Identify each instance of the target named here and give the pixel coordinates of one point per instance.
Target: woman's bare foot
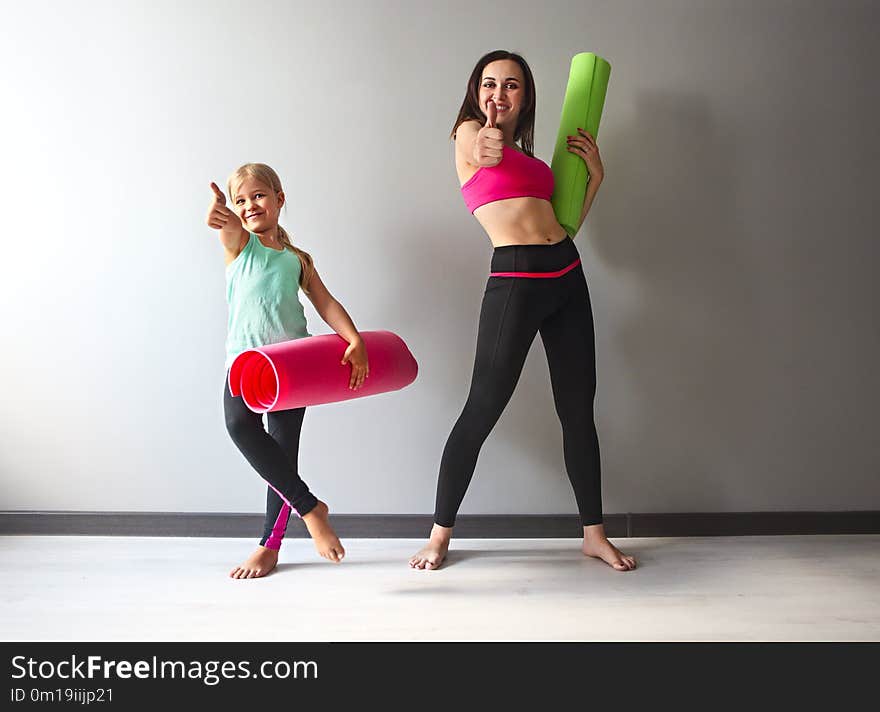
(596, 544)
(257, 565)
(327, 543)
(434, 552)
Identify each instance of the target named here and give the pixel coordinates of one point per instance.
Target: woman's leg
(569, 342)
(505, 334)
(508, 324)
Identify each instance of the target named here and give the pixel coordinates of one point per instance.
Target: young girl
(536, 284)
(264, 272)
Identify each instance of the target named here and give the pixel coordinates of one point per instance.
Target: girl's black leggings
(516, 306)
(274, 456)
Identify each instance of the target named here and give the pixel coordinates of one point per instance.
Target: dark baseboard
(414, 526)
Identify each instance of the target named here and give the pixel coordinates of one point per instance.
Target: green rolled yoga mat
(582, 107)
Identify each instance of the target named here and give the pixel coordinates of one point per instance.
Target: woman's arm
(592, 189)
(479, 146)
(335, 316)
(584, 145)
(465, 142)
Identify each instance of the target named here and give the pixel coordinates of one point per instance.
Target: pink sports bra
(517, 176)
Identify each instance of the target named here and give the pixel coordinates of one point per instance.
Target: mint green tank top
(262, 290)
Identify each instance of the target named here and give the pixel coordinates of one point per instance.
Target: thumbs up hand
(232, 232)
(489, 143)
(219, 195)
(219, 216)
(491, 114)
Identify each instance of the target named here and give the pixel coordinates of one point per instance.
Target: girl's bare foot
(257, 565)
(434, 552)
(596, 544)
(327, 543)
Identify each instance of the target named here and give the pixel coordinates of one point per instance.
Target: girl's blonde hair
(264, 174)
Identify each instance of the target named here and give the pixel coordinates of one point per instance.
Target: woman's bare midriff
(520, 221)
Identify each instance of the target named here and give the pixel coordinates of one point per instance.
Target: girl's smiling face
(257, 205)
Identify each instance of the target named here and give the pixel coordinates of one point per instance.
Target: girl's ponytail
(305, 259)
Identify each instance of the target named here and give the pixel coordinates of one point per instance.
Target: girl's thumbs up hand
(219, 196)
(219, 216)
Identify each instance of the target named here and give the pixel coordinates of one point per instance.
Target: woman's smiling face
(503, 83)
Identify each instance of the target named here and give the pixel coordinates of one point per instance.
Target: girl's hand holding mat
(584, 145)
(356, 354)
(489, 143)
(306, 372)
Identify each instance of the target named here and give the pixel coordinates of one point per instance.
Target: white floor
(719, 588)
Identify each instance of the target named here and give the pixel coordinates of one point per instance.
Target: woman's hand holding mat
(584, 145)
(581, 109)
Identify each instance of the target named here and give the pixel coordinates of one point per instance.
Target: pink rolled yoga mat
(308, 371)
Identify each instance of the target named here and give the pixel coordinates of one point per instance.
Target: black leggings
(514, 310)
(274, 456)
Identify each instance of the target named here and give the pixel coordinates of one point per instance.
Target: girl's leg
(275, 524)
(274, 457)
(317, 521)
(284, 428)
(265, 454)
(568, 337)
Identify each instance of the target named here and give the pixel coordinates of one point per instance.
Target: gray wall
(731, 253)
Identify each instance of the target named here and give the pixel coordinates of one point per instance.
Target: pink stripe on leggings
(537, 275)
(280, 526)
(278, 529)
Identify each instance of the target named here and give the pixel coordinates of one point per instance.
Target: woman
(536, 284)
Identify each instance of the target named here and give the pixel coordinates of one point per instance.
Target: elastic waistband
(538, 275)
(535, 260)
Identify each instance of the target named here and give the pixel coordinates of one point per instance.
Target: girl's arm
(335, 316)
